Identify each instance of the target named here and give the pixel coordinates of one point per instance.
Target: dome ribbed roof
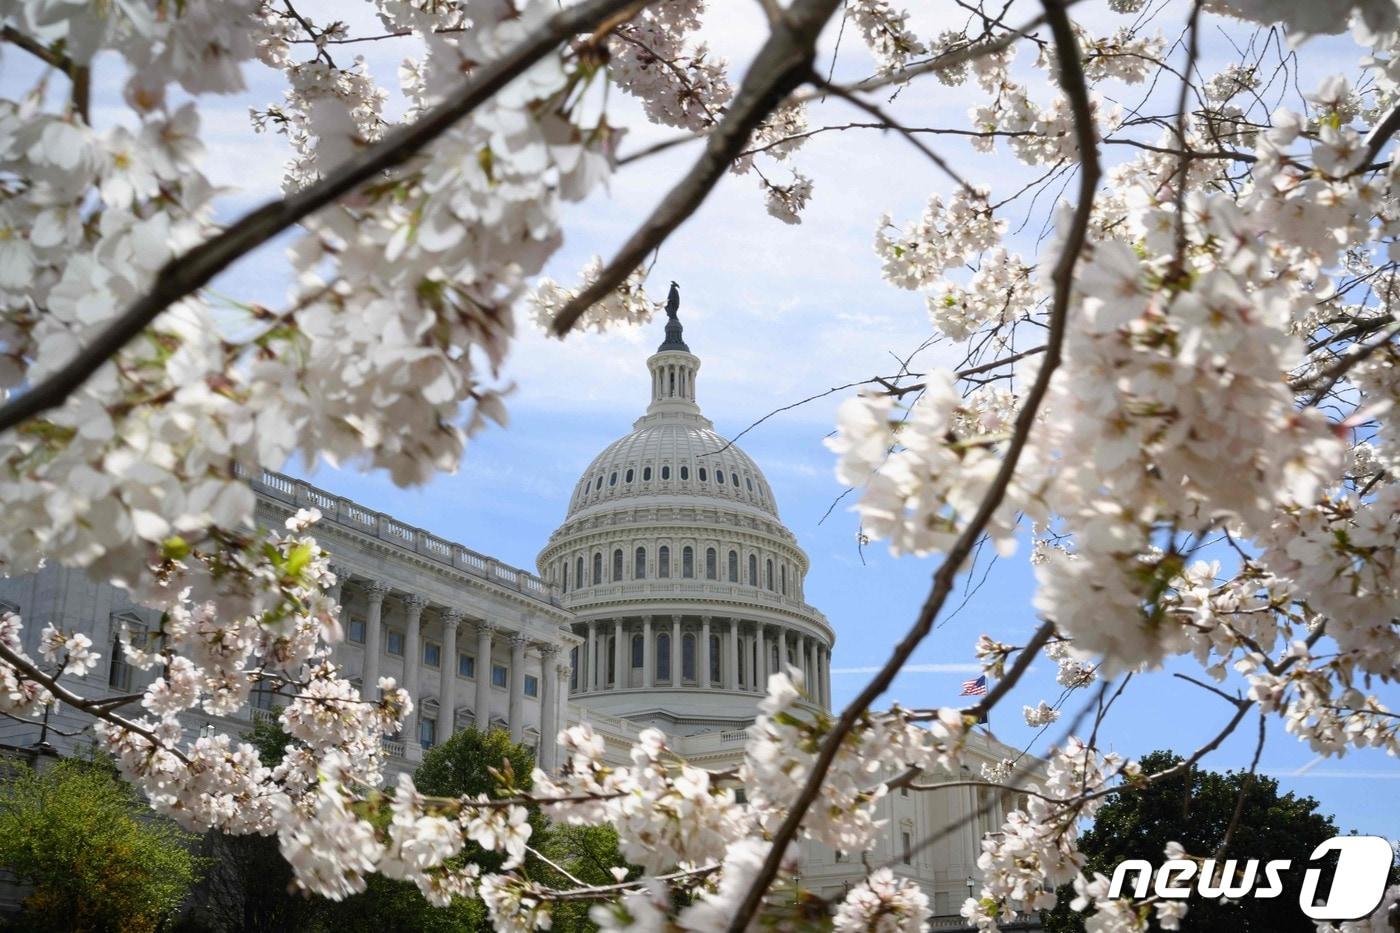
(673, 458)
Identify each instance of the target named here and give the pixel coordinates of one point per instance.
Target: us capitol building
(668, 596)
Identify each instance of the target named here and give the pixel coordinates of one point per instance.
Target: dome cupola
(685, 584)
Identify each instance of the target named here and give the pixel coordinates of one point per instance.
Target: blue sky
(776, 313)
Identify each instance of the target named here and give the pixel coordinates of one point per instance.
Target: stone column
(594, 659)
(824, 675)
(677, 675)
(412, 654)
(335, 589)
(483, 675)
(369, 674)
(813, 684)
(561, 702)
(703, 655)
(517, 687)
(765, 667)
(782, 649)
(620, 670)
(447, 688)
(549, 706)
(648, 655)
(731, 676)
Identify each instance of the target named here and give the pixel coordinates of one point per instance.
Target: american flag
(974, 688)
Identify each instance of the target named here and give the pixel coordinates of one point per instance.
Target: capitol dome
(686, 586)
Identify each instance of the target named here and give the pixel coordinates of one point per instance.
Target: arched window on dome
(734, 478)
(711, 564)
(714, 659)
(748, 481)
(666, 472)
(768, 574)
(702, 474)
(719, 477)
(612, 478)
(782, 577)
(663, 562)
(639, 566)
(617, 566)
(688, 657)
(612, 659)
(564, 578)
(578, 574)
(773, 661)
(733, 566)
(646, 474)
(743, 666)
(753, 570)
(685, 472)
(598, 485)
(688, 562)
(573, 670)
(663, 656)
(638, 651)
(598, 568)
(627, 477)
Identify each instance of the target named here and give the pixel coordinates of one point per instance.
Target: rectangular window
(432, 653)
(355, 631)
(500, 676)
(466, 665)
(394, 643)
(908, 847)
(532, 685)
(427, 733)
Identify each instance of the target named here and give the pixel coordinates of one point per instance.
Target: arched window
(714, 659)
(663, 562)
(597, 568)
(638, 650)
(753, 570)
(599, 484)
(612, 659)
(627, 477)
(711, 564)
(687, 656)
(666, 472)
(768, 574)
(617, 565)
(743, 666)
(564, 585)
(639, 565)
(578, 573)
(688, 562)
(573, 669)
(702, 474)
(663, 656)
(782, 577)
(733, 566)
(646, 474)
(612, 479)
(719, 477)
(748, 481)
(773, 662)
(685, 472)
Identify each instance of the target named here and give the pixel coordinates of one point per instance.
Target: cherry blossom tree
(1180, 402)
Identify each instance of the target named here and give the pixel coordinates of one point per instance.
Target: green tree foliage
(1195, 808)
(74, 831)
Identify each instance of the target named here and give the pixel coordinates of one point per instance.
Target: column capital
(548, 650)
(519, 640)
(376, 590)
(414, 602)
(342, 573)
(707, 619)
(451, 618)
(676, 619)
(563, 669)
(486, 628)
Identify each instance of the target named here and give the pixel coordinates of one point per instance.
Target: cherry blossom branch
(1073, 84)
(783, 63)
(32, 671)
(192, 270)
